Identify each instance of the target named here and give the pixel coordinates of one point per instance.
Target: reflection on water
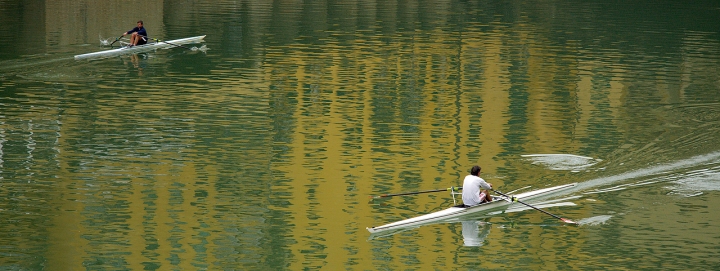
(474, 233)
(260, 153)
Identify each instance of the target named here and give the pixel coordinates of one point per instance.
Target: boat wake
(684, 174)
(695, 182)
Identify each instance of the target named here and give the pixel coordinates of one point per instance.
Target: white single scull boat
(141, 48)
(457, 211)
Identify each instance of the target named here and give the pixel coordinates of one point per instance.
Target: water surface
(261, 153)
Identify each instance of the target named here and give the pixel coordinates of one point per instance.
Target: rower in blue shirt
(139, 35)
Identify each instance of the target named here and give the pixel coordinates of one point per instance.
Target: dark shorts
(142, 41)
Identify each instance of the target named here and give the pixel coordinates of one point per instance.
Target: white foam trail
(620, 187)
(697, 181)
(686, 163)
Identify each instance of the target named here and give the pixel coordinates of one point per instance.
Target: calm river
(263, 151)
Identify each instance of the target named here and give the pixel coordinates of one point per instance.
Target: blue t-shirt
(140, 31)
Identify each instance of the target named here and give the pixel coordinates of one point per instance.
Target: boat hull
(453, 212)
(140, 48)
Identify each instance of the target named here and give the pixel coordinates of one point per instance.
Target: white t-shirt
(471, 189)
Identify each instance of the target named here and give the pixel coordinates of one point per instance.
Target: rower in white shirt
(475, 189)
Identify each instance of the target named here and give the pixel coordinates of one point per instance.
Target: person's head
(475, 170)
(140, 23)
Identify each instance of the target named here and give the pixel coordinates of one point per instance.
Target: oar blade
(568, 221)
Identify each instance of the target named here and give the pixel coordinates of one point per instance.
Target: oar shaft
(528, 205)
(418, 192)
(177, 45)
(117, 39)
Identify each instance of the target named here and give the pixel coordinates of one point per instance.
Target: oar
(453, 189)
(541, 210)
(178, 45)
(111, 44)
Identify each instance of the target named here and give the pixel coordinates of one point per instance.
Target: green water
(262, 152)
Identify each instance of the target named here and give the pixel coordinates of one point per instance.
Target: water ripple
(595, 220)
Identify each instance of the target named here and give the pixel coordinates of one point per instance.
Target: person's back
(472, 188)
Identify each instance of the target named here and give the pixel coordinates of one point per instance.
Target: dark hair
(475, 170)
(140, 21)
